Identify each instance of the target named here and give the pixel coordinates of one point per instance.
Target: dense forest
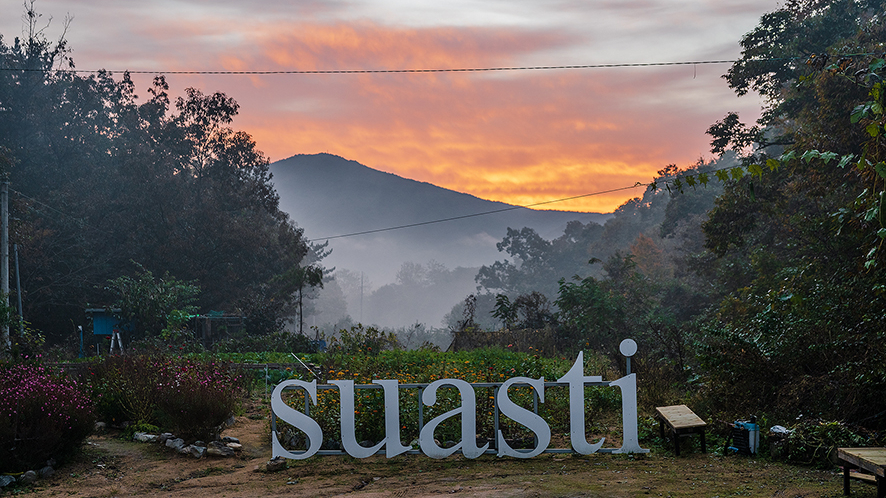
(160, 192)
(756, 280)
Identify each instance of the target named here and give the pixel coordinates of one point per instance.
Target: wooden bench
(681, 421)
(872, 460)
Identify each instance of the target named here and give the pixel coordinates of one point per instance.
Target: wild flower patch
(189, 397)
(42, 415)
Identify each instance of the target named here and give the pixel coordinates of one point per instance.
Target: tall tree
(101, 179)
(797, 247)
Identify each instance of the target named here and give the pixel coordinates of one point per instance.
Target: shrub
(815, 441)
(364, 341)
(195, 398)
(191, 398)
(125, 388)
(42, 416)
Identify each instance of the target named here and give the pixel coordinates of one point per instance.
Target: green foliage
(537, 263)
(163, 181)
(42, 416)
(154, 306)
(815, 441)
(280, 342)
(360, 340)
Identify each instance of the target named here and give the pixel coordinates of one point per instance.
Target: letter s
(297, 419)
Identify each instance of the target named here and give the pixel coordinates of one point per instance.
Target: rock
(197, 451)
(224, 451)
(276, 464)
(6, 481)
(28, 477)
(176, 444)
(100, 426)
(46, 472)
(165, 437)
(144, 437)
(235, 446)
(229, 439)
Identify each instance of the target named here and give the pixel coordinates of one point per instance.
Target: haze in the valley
(382, 230)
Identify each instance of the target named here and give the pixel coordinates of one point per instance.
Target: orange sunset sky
(520, 137)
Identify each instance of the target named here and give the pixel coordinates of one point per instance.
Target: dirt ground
(111, 467)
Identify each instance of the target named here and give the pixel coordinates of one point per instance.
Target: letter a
(468, 411)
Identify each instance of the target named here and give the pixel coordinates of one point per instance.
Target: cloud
(516, 136)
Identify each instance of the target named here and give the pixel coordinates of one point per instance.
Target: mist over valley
(397, 277)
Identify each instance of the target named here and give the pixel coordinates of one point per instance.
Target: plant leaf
(810, 155)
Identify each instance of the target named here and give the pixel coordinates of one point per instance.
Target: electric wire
(663, 181)
(417, 224)
(474, 215)
(80, 221)
(427, 70)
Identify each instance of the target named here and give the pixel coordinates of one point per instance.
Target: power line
(510, 208)
(430, 70)
(433, 70)
(474, 215)
(436, 70)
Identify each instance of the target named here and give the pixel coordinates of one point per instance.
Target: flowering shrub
(42, 416)
(197, 397)
(189, 397)
(125, 388)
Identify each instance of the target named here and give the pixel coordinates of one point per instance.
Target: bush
(42, 416)
(125, 388)
(188, 397)
(177, 342)
(815, 441)
(195, 398)
(369, 341)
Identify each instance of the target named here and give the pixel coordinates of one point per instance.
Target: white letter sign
(574, 378)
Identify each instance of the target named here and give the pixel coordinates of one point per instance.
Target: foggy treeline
(658, 231)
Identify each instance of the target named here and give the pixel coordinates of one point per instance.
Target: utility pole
(4, 254)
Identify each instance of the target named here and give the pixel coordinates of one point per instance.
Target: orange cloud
(521, 137)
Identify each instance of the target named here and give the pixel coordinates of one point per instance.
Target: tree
(101, 179)
(148, 302)
(797, 241)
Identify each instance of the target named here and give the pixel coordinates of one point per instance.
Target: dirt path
(110, 467)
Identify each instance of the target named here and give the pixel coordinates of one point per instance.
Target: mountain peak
(331, 197)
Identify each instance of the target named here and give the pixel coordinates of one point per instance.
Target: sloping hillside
(330, 196)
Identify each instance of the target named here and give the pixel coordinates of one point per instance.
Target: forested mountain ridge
(330, 196)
